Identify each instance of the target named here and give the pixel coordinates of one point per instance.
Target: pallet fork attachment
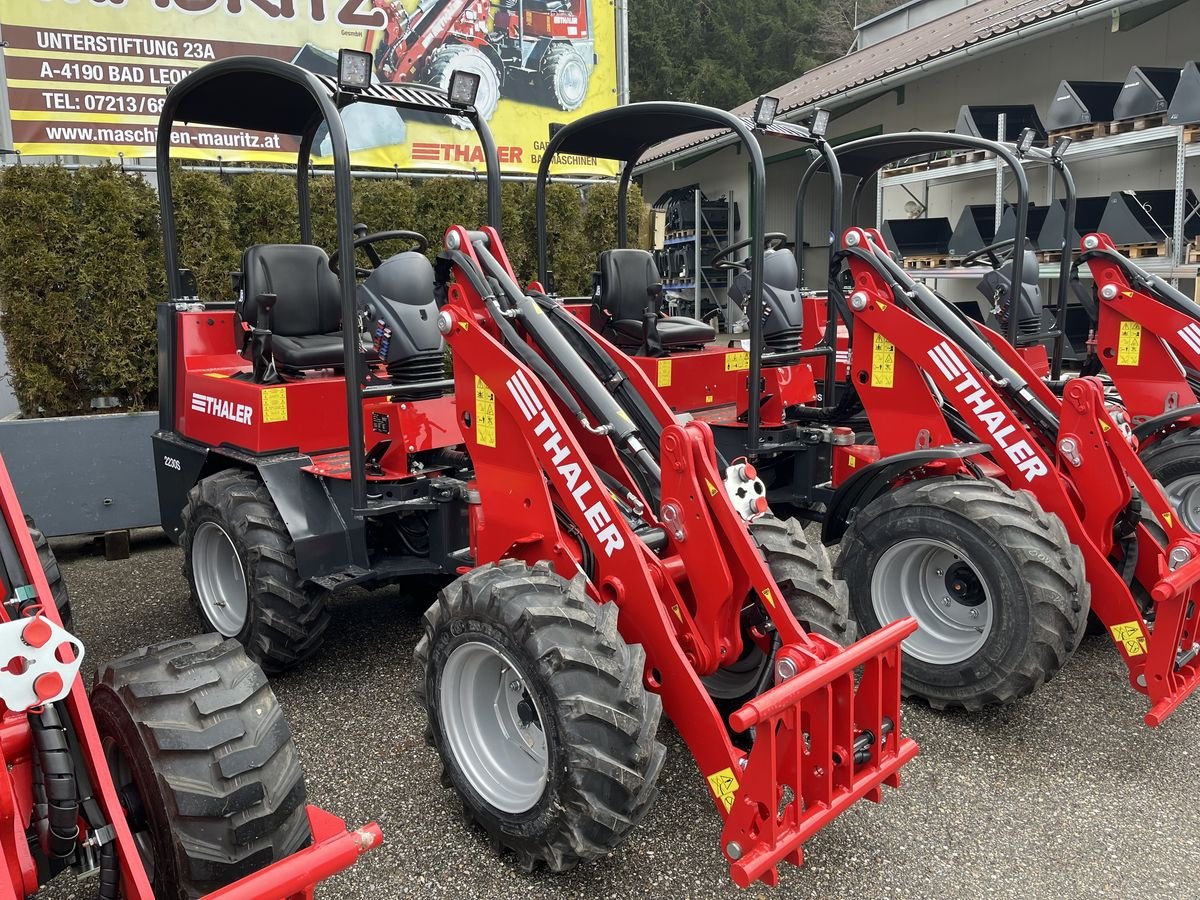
(1075, 456)
(601, 477)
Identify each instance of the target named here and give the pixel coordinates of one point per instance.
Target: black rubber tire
(209, 757)
(286, 619)
(804, 574)
(58, 588)
(450, 58)
(599, 721)
(1022, 553)
(1174, 457)
(556, 64)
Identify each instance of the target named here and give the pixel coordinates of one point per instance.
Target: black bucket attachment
(918, 237)
(1147, 91)
(1088, 213)
(984, 122)
(1033, 228)
(976, 228)
(1146, 217)
(1082, 103)
(1185, 105)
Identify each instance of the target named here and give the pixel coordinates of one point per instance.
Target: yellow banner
(88, 77)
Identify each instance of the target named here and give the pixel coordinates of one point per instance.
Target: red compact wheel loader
(177, 777)
(547, 43)
(609, 566)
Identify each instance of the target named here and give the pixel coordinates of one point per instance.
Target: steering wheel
(997, 254)
(772, 240)
(419, 243)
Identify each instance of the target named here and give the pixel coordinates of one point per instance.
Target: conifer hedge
(81, 257)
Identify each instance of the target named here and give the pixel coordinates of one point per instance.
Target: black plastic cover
(1147, 91)
(1082, 103)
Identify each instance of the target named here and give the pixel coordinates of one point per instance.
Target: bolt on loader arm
(578, 461)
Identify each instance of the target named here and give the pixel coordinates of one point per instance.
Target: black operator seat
(306, 323)
(623, 287)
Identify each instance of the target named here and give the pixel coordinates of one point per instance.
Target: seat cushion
(675, 331)
(315, 351)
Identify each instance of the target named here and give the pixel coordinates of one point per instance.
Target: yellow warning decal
(1129, 344)
(724, 786)
(768, 596)
(464, 325)
(1104, 426)
(852, 461)
(1131, 635)
(882, 306)
(678, 614)
(708, 398)
(1169, 520)
(664, 373)
(485, 414)
(737, 362)
(712, 489)
(216, 374)
(274, 405)
(883, 362)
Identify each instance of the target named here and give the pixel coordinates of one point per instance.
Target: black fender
(874, 480)
(328, 540)
(1161, 422)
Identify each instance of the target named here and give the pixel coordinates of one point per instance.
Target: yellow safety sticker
(708, 398)
(852, 461)
(678, 614)
(1131, 635)
(485, 414)
(274, 405)
(882, 306)
(768, 596)
(1169, 520)
(883, 362)
(1129, 344)
(216, 374)
(664, 373)
(1104, 426)
(738, 361)
(724, 786)
(712, 488)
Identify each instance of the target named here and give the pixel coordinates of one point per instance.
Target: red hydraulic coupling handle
(1175, 582)
(786, 695)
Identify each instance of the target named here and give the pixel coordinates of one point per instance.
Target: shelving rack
(1184, 138)
(704, 240)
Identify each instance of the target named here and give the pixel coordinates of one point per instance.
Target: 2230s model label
(238, 413)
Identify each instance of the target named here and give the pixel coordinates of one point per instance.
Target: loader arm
(681, 568)
(1073, 455)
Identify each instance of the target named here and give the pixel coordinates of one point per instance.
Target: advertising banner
(88, 77)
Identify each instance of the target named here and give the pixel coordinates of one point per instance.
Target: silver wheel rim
(1184, 494)
(494, 727)
(572, 83)
(936, 584)
(220, 579)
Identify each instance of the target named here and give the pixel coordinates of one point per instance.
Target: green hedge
(81, 257)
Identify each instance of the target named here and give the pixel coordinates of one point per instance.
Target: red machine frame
(1083, 474)
(684, 606)
(332, 850)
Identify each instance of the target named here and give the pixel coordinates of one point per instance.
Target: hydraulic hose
(56, 794)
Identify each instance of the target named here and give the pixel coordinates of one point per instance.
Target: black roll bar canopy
(864, 158)
(624, 134)
(263, 94)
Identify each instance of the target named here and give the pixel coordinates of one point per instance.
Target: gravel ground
(1064, 794)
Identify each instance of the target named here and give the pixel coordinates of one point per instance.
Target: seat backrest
(299, 276)
(625, 277)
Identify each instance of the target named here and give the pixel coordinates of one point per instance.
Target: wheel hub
(494, 726)
(935, 583)
(220, 579)
(1184, 494)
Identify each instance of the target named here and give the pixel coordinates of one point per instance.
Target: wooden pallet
(1049, 256)
(1141, 123)
(939, 162)
(1080, 133)
(685, 232)
(1143, 251)
(926, 262)
(1191, 134)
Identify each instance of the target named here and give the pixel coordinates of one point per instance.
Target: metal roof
(974, 24)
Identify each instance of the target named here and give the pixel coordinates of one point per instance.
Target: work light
(1060, 146)
(1025, 141)
(765, 110)
(463, 88)
(354, 70)
(820, 123)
